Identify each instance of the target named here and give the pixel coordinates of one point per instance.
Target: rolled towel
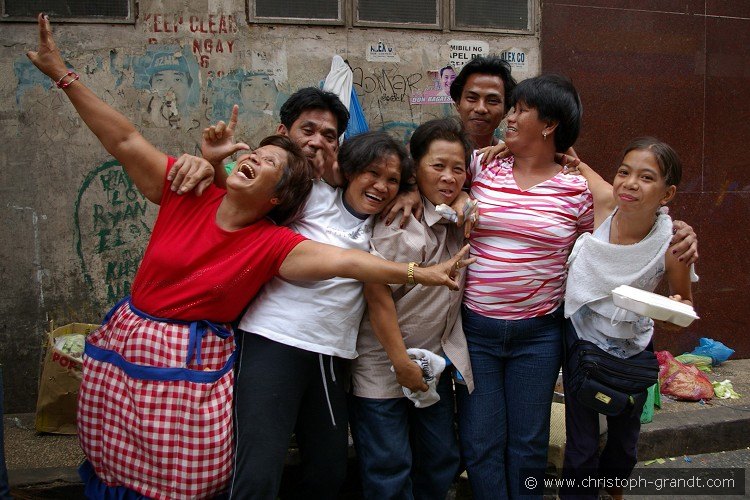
(432, 366)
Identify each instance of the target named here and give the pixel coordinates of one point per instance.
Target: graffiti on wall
(258, 97)
(28, 77)
(112, 226)
(385, 85)
(170, 76)
(401, 131)
(211, 33)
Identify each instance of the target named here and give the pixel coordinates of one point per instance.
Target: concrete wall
(74, 228)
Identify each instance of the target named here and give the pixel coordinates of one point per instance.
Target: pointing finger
(233, 119)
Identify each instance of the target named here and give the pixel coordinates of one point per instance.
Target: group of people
(176, 402)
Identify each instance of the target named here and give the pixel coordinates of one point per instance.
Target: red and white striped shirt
(523, 240)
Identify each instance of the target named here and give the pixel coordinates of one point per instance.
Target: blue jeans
(405, 452)
(504, 423)
(582, 457)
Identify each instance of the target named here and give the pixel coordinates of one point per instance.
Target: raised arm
(144, 164)
(384, 320)
(601, 190)
(217, 145)
(313, 261)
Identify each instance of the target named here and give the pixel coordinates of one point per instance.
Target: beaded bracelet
(60, 84)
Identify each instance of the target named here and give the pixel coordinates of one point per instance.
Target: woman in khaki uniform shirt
(404, 451)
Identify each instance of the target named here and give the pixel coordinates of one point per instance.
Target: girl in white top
(629, 219)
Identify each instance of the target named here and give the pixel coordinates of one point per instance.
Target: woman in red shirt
(155, 402)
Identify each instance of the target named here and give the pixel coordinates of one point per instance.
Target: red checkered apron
(151, 419)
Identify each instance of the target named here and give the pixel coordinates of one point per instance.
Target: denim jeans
(405, 452)
(504, 423)
(582, 457)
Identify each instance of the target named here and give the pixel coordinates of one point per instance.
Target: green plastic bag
(652, 400)
(703, 363)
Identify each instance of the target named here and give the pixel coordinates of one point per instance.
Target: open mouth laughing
(246, 171)
(374, 198)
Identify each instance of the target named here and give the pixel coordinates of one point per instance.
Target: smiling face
(176, 81)
(258, 92)
(256, 175)
(442, 172)
(524, 128)
(315, 133)
(482, 106)
(447, 75)
(639, 184)
(369, 191)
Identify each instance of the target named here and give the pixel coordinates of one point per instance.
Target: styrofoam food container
(653, 305)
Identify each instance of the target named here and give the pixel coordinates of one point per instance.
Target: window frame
(530, 30)
(446, 19)
(253, 18)
(378, 24)
(130, 19)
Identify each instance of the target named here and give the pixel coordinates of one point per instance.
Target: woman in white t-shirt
(297, 337)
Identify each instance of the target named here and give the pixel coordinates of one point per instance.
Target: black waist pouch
(608, 384)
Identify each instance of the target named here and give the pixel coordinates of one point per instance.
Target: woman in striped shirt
(530, 215)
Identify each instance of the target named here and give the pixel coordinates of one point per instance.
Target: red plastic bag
(682, 381)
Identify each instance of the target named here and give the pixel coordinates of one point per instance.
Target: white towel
(597, 267)
(432, 366)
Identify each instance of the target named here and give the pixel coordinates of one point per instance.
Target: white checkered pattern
(163, 439)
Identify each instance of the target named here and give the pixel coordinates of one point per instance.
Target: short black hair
(295, 183)
(555, 99)
(446, 67)
(667, 158)
(446, 129)
(360, 151)
(313, 98)
(486, 65)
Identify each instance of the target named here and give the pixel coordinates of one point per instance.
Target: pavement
(44, 465)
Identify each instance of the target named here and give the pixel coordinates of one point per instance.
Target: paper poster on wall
(381, 52)
(463, 51)
(516, 58)
(439, 90)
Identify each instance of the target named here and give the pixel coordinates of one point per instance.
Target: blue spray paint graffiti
(255, 92)
(171, 75)
(28, 77)
(400, 130)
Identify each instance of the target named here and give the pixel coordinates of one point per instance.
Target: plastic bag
(703, 363)
(357, 121)
(339, 80)
(653, 400)
(682, 381)
(713, 348)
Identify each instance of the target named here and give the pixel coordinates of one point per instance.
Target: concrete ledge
(22, 478)
(692, 432)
